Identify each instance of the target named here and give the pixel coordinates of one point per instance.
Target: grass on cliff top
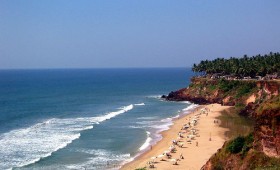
(238, 88)
(235, 88)
(272, 104)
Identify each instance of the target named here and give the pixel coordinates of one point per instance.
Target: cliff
(258, 100)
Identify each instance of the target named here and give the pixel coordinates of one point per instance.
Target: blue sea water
(84, 118)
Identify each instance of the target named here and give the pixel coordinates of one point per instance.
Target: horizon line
(88, 68)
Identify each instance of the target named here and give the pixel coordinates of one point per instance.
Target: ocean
(84, 118)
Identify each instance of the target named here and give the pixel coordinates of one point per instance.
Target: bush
(218, 167)
(227, 85)
(248, 144)
(212, 87)
(245, 89)
(241, 144)
(236, 145)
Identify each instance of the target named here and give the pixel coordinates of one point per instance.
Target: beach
(204, 136)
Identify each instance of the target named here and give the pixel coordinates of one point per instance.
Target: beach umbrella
(181, 144)
(153, 158)
(166, 152)
(173, 160)
(191, 136)
(161, 156)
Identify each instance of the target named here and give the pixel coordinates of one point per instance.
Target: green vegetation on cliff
(240, 144)
(269, 105)
(255, 99)
(258, 102)
(240, 154)
(227, 92)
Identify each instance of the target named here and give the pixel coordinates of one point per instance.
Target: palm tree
(245, 66)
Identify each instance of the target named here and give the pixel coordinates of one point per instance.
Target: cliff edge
(258, 100)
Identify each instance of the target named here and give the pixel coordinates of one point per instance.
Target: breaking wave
(26, 146)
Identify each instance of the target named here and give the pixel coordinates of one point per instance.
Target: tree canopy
(253, 66)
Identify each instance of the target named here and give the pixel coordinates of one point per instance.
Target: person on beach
(196, 143)
(181, 156)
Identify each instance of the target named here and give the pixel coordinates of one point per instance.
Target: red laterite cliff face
(267, 116)
(260, 101)
(270, 87)
(267, 128)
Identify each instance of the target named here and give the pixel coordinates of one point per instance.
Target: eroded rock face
(229, 101)
(188, 94)
(249, 110)
(267, 130)
(267, 122)
(270, 87)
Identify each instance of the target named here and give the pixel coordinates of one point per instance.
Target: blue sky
(133, 33)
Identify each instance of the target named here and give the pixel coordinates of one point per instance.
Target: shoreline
(184, 112)
(193, 159)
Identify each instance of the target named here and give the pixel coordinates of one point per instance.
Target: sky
(133, 33)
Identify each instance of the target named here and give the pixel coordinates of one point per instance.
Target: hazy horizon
(69, 34)
(93, 68)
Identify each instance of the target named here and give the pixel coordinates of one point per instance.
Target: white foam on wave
(158, 127)
(155, 96)
(140, 104)
(175, 117)
(187, 102)
(146, 122)
(101, 159)
(166, 123)
(190, 107)
(148, 118)
(25, 146)
(110, 115)
(146, 144)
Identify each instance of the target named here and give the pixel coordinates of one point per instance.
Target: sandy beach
(200, 141)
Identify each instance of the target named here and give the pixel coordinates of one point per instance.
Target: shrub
(218, 167)
(212, 87)
(144, 168)
(241, 144)
(248, 144)
(236, 145)
(227, 85)
(245, 88)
